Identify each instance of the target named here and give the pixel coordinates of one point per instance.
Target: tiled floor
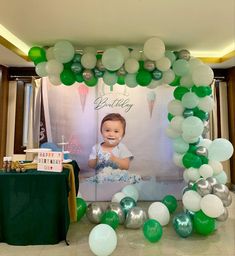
(132, 242)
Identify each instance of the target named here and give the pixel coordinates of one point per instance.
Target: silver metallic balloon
(115, 207)
(121, 71)
(227, 201)
(100, 65)
(212, 181)
(87, 74)
(149, 65)
(184, 54)
(202, 151)
(203, 187)
(135, 218)
(223, 216)
(187, 113)
(94, 212)
(221, 191)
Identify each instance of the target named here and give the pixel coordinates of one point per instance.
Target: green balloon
(77, 57)
(192, 149)
(204, 159)
(127, 203)
(201, 114)
(179, 92)
(76, 67)
(176, 81)
(143, 77)
(141, 64)
(152, 230)
(170, 116)
(188, 112)
(183, 225)
(81, 208)
(37, 54)
(98, 56)
(92, 82)
(170, 202)
(203, 224)
(121, 80)
(110, 218)
(68, 65)
(202, 91)
(191, 160)
(67, 77)
(79, 78)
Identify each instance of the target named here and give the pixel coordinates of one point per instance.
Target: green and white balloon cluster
(137, 66)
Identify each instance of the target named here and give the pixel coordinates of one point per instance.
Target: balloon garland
(206, 196)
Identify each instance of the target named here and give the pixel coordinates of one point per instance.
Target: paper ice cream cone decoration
(83, 91)
(151, 98)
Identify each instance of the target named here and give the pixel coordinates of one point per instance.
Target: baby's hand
(103, 157)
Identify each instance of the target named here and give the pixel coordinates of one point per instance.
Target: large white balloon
(193, 174)
(40, 69)
(192, 126)
(191, 200)
(158, 211)
(112, 59)
(154, 48)
(102, 240)
(124, 51)
(176, 123)
(118, 197)
(212, 206)
(220, 150)
(190, 100)
(216, 166)
(168, 76)
(202, 75)
(163, 64)
(54, 67)
(206, 104)
(63, 51)
(88, 60)
(175, 107)
(206, 171)
(131, 65)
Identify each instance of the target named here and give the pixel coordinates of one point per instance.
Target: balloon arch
(206, 196)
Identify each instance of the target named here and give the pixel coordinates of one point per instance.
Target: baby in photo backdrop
(111, 152)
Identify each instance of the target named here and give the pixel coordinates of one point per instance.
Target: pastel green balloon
(180, 67)
(81, 208)
(180, 146)
(110, 78)
(63, 51)
(152, 230)
(190, 100)
(130, 80)
(110, 218)
(171, 56)
(112, 59)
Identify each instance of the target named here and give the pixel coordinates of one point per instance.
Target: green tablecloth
(34, 207)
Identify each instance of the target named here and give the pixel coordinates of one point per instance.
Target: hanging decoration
(206, 196)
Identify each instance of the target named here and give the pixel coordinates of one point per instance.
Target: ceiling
(205, 28)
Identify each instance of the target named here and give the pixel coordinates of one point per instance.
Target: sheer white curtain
(34, 117)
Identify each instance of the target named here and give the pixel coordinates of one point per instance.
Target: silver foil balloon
(221, 191)
(212, 181)
(184, 54)
(223, 216)
(121, 71)
(227, 201)
(87, 74)
(100, 65)
(149, 65)
(94, 213)
(202, 151)
(115, 207)
(135, 218)
(203, 187)
(187, 113)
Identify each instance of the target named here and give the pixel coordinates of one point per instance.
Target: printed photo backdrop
(76, 113)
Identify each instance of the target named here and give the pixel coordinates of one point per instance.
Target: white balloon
(220, 150)
(186, 81)
(168, 76)
(193, 63)
(205, 143)
(124, 51)
(189, 139)
(216, 166)
(88, 60)
(63, 51)
(102, 240)
(176, 123)
(118, 197)
(131, 191)
(185, 177)
(154, 48)
(177, 159)
(190, 100)
(206, 171)
(54, 79)
(212, 206)
(206, 103)
(191, 200)
(53, 67)
(193, 174)
(202, 75)
(158, 211)
(192, 126)
(40, 69)
(50, 53)
(130, 80)
(163, 64)
(175, 107)
(131, 65)
(180, 146)
(222, 177)
(112, 59)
